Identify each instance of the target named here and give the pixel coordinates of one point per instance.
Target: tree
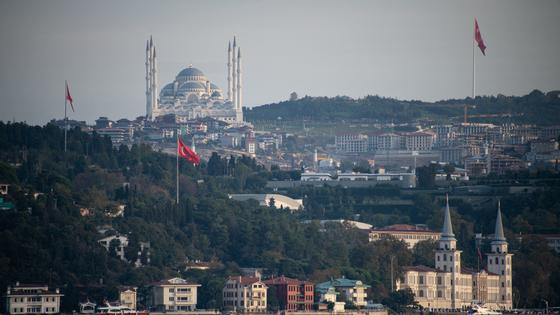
(272, 202)
(399, 300)
(293, 96)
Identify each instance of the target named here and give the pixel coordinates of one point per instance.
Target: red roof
(420, 268)
(285, 280)
(245, 280)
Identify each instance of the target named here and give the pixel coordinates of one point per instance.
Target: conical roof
(499, 230)
(447, 231)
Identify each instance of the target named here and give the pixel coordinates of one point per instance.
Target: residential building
(174, 295)
(292, 294)
(117, 242)
(245, 294)
(32, 299)
(410, 234)
(449, 286)
(127, 297)
(352, 291)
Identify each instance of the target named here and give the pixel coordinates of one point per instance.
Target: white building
(174, 295)
(32, 299)
(245, 294)
(279, 201)
(410, 234)
(450, 286)
(351, 290)
(121, 242)
(191, 95)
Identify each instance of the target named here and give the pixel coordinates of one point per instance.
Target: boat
(481, 310)
(115, 309)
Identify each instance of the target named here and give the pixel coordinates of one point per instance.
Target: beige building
(410, 234)
(32, 299)
(450, 286)
(127, 297)
(174, 295)
(245, 294)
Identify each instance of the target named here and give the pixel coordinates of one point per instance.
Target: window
(503, 285)
(496, 262)
(439, 294)
(439, 280)
(171, 298)
(171, 290)
(444, 257)
(502, 261)
(437, 257)
(420, 280)
(421, 293)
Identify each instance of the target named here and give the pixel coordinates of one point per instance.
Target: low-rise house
(353, 291)
(32, 299)
(245, 294)
(292, 294)
(174, 295)
(127, 297)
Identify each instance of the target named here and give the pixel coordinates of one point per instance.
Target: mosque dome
(191, 86)
(190, 72)
(214, 86)
(167, 90)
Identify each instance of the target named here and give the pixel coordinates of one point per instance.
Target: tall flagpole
(473, 69)
(65, 117)
(177, 155)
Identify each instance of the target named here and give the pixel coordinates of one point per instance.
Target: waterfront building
(32, 299)
(245, 294)
(174, 295)
(353, 291)
(450, 286)
(292, 294)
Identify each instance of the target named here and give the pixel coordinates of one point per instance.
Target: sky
(418, 50)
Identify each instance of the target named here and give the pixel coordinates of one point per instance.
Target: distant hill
(534, 108)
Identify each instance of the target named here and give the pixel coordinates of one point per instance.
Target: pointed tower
(448, 258)
(154, 82)
(148, 81)
(229, 77)
(234, 75)
(499, 262)
(239, 94)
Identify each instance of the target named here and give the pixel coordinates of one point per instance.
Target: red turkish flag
(478, 38)
(186, 153)
(68, 97)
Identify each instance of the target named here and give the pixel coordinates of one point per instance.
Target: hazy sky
(403, 49)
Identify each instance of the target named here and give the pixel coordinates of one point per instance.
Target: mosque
(192, 95)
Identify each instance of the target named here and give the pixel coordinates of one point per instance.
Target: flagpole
(177, 155)
(65, 116)
(474, 69)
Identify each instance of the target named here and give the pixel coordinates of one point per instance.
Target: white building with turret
(452, 286)
(192, 95)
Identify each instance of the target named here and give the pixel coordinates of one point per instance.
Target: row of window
(33, 310)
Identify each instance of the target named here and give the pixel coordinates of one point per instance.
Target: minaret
(499, 262)
(239, 94)
(229, 75)
(448, 258)
(154, 81)
(234, 76)
(148, 83)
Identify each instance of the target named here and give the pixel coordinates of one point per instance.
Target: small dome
(167, 90)
(214, 86)
(191, 86)
(216, 94)
(190, 72)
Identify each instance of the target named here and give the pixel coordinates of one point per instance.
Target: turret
(148, 81)
(229, 77)
(500, 262)
(234, 75)
(239, 101)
